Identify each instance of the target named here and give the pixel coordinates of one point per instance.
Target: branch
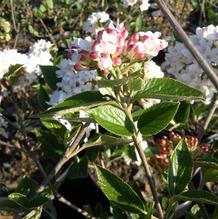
(65, 158)
(188, 43)
(150, 178)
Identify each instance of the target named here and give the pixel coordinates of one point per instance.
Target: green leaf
(42, 97)
(27, 186)
(33, 30)
(106, 140)
(199, 196)
(206, 162)
(19, 199)
(180, 169)
(13, 71)
(119, 192)
(113, 119)
(50, 4)
(49, 75)
(8, 205)
(41, 198)
(81, 101)
(183, 112)
(157, 117)
(50, 145)
(79, 169)
(138, 23)
(210, 175)
(111, 83)
(34, 214)
(163, 88)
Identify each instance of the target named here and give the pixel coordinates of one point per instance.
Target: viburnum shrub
(109, 85)
(125, 80)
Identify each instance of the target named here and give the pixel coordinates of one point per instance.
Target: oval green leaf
(81, 101)
(19, 199)
(199, 196)
(113, 119)
(119, 192)
(163, 88)
(157, 117)
(180, 169)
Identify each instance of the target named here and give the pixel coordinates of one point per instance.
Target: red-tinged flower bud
(144, 38)
(163, 143)
(117, 61)
(94, 56)
(166, 161)
(124, 33)
(170, 150)
(100, 33)
(164, 149)
(157, 156)
(179, 137)
(111, 31)
(163, 156)
(119, 50)
(140, 56)
(95, 45)
(105, 72)
(165, 137)
(105, 55)
(134, 37)
(78, 67)
(172, 134)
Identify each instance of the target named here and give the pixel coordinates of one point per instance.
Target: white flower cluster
(96, 22)
(3, 127)
(144, 4)
(180, 62)
(72, 82)
(38, 55)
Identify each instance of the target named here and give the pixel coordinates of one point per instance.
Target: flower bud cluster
(112, 48)
(167, 144)
(108, 49)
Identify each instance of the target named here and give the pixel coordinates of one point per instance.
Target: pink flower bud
(94, 56)
(144, 38)
(100, 33)
(111, 31)
(163, 143)
(117, 61)
(134, 37)
(78, 67)
(124, 33)
(140, 56)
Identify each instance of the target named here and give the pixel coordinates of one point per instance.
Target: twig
(12, 146)
(209, 116)
(47, 31)
(150, 178)
(64, 159)
(59, 196)
(75, 208)
(211, 112)
(199, 58)
(13, 15)
(48, 213)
